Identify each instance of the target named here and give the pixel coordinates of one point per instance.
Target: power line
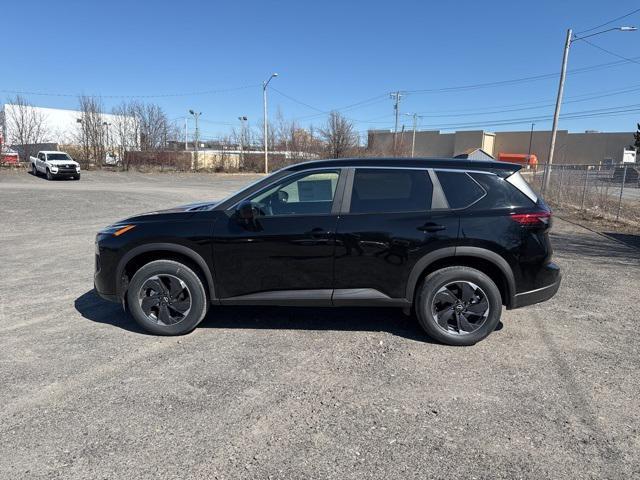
(594, 113)
(609, 51)
(609, 22)
(296, 100)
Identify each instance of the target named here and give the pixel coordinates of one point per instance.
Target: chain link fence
(609, 192)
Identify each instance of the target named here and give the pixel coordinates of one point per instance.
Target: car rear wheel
(167, 298)
(458, 305)
(34, 170)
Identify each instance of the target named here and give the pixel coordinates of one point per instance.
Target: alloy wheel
(165, 299)
(460, 307)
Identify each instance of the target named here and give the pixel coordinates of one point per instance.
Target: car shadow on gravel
(595, 248)
(94, 308)
(368, 319)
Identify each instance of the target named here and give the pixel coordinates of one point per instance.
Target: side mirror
(246, 212)
(247, 216)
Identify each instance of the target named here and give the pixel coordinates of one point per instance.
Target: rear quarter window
(460, 189)
(500, 193)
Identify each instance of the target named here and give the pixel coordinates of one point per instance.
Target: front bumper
(552, 271)
(65, 174)
(107, 296)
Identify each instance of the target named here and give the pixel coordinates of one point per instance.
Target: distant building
(571, 148)
(60, 126)
(474, 154)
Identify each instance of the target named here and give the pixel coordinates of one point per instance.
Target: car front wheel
(49, 176)
(167, 298)
(458, 305)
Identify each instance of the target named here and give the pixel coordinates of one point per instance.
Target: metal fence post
(584, 189)
(624, 179)
(544, 178)
(560, 183)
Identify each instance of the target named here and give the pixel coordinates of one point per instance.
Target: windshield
(58, 156)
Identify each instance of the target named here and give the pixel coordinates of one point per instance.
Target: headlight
(116, 230)
(53, 168)
(77, 168)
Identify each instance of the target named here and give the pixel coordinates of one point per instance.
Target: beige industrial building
(571, 148)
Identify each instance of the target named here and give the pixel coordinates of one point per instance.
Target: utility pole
(186, 134)
(266, 122)
(563, 73)
(242, 120)
(530, 140)
(196, 115)
(413, 139)
(556, 114)
(396, 96)
(415, 117)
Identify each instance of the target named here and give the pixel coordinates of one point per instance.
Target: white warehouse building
(59, 126)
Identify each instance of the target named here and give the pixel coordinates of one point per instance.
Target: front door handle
(430, 227)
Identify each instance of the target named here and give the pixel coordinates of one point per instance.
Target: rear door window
(390, 190)
(460, 189)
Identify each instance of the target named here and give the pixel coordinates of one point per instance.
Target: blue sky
(329, 55)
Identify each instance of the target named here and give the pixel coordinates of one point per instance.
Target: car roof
(52, 151)
(448, 163)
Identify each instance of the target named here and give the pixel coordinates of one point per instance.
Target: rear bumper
(540, 294)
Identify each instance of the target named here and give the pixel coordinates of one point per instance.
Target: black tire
(77, 177)
(49, 176)
(34, 170)
(435, 283)
(167, 269)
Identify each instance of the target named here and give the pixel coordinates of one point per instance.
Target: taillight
(536, 219)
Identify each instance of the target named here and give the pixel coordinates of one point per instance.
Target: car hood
(63, 162)
(174, 213)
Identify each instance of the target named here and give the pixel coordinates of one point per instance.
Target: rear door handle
(431, 227)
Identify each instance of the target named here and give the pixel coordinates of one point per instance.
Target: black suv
(451, 240)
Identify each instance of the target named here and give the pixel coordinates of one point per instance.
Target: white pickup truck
(55, 165)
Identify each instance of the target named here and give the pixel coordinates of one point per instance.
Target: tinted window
(460, 189)
(378, 190)
(310, 193)
(500, 193)
(58, 156)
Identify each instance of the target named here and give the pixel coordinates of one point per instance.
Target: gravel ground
(298, 393)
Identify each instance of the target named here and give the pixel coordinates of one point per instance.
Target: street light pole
(106, 126)
(196, 115)
(266, 122)
(186, 134)
(242, 120)
(563, 73)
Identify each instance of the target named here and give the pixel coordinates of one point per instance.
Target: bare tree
(25, 125)
(91, 133)
(127, 129)
(339, 135)
(154, 126)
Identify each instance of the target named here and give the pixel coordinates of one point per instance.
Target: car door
(40, 163)
(390, 219)
(277, 245)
